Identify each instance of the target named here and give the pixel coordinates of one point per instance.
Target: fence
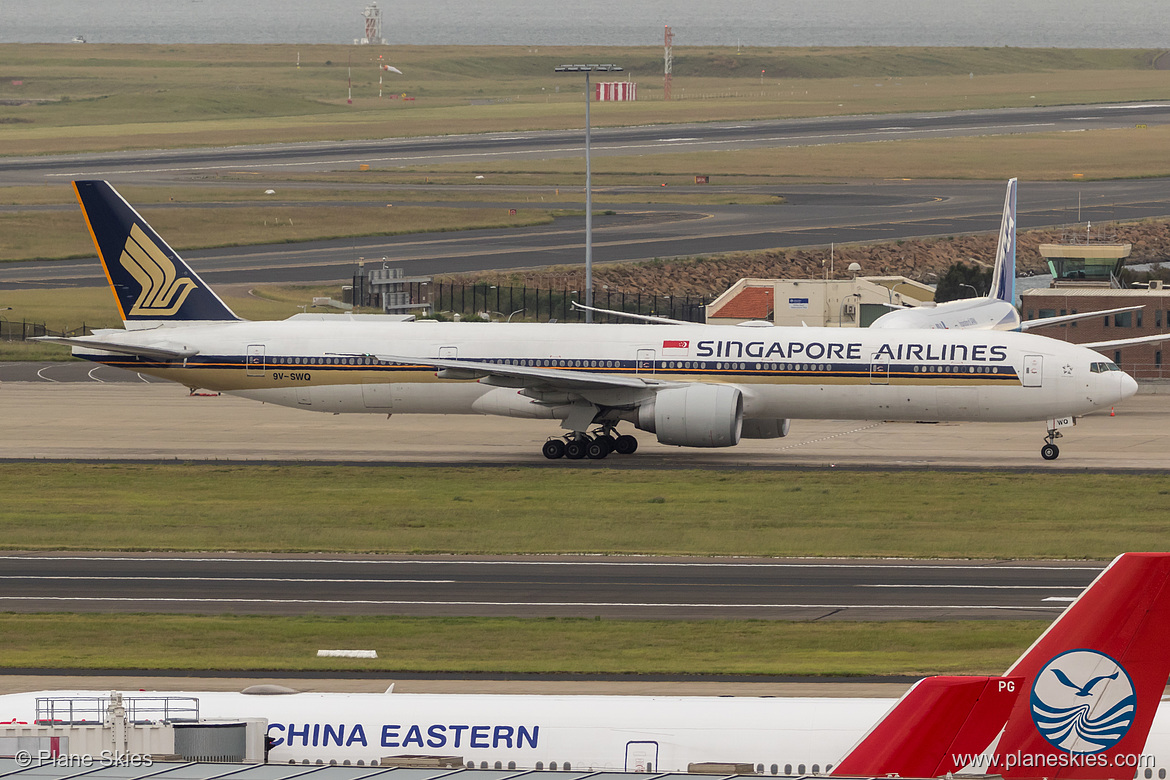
(22, 331)
(1145, 371)
(496, 302)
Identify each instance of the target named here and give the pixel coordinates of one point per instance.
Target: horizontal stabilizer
(1118, 343)
(1084, 315)
(165, 351)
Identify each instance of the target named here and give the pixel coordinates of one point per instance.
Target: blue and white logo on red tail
(1083, 702)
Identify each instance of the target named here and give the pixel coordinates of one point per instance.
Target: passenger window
(788, 769)
(800, 769)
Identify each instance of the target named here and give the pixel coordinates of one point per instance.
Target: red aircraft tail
(1078, 704)
(1094, 679)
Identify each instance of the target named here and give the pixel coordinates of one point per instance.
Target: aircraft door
(1033, 370)
(255, 360)
(645, 362)
(879, 371)
(641, 756)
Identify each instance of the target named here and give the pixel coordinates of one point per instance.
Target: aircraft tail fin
(151, 283)
(1093, 679)
(1003, 276)
(937, 720)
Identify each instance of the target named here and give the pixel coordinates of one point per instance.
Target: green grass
(99, 97)
(514, 645)
(508, 510)
(62, 234)
(69, 309)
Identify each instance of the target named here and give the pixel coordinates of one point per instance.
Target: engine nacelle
(765, 429)
(697, 415)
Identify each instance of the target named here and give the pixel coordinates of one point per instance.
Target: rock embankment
(917, 259)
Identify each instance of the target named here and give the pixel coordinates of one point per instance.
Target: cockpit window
(1103, 367)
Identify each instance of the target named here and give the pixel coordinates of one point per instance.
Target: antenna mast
(669, 58)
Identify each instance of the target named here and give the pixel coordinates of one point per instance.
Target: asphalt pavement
(540, 586)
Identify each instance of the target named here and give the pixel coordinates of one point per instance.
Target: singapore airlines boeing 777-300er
(691, 385)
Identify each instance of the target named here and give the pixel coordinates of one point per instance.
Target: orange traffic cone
(1111, 412)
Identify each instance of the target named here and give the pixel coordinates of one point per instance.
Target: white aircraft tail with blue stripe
(1003, 276)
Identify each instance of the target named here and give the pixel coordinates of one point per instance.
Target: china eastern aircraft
(1080, 703)
(691, 385)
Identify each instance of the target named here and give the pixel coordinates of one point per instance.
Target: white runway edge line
(529, 604)
(1093, 570)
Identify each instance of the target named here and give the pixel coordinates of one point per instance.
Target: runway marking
(675, 564)
(94, 378)
(1060, 598)
(42, 376)
(527, 604)
(795, 445)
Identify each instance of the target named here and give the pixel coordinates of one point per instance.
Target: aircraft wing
(1040, 323)
(164, 351)
(628, 315)
(527, 375)
(1118, 343)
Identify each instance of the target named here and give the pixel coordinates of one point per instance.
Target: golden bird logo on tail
(162, 292)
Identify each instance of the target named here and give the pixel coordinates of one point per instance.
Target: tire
(1050, 452)
(553, 449)
(575, 449)
(597, 449)
(625, 445)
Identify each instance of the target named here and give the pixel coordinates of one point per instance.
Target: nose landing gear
(578, 445)
(1050, 451)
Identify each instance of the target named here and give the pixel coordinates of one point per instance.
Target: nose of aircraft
(1129, 385)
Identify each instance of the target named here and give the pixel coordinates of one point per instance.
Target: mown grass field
(61, 234)
(358, 509)
(99, 97)
(74, 641)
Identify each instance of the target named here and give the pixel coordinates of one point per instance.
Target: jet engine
(765, 429)
(697, 415)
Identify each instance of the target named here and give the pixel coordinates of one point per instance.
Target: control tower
(1085, 258)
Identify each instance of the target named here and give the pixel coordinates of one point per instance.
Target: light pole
(587, 69)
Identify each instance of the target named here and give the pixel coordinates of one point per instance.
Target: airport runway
(541, 586)
(813, 215)
(167, 165)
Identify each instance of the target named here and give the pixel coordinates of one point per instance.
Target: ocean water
(1058, 23)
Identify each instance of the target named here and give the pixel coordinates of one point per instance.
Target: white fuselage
(632, 733)
(336, 364)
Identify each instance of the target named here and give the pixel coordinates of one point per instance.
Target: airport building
(834, 303)
(1086, 277)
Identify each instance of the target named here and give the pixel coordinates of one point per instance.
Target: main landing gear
(578, 445)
